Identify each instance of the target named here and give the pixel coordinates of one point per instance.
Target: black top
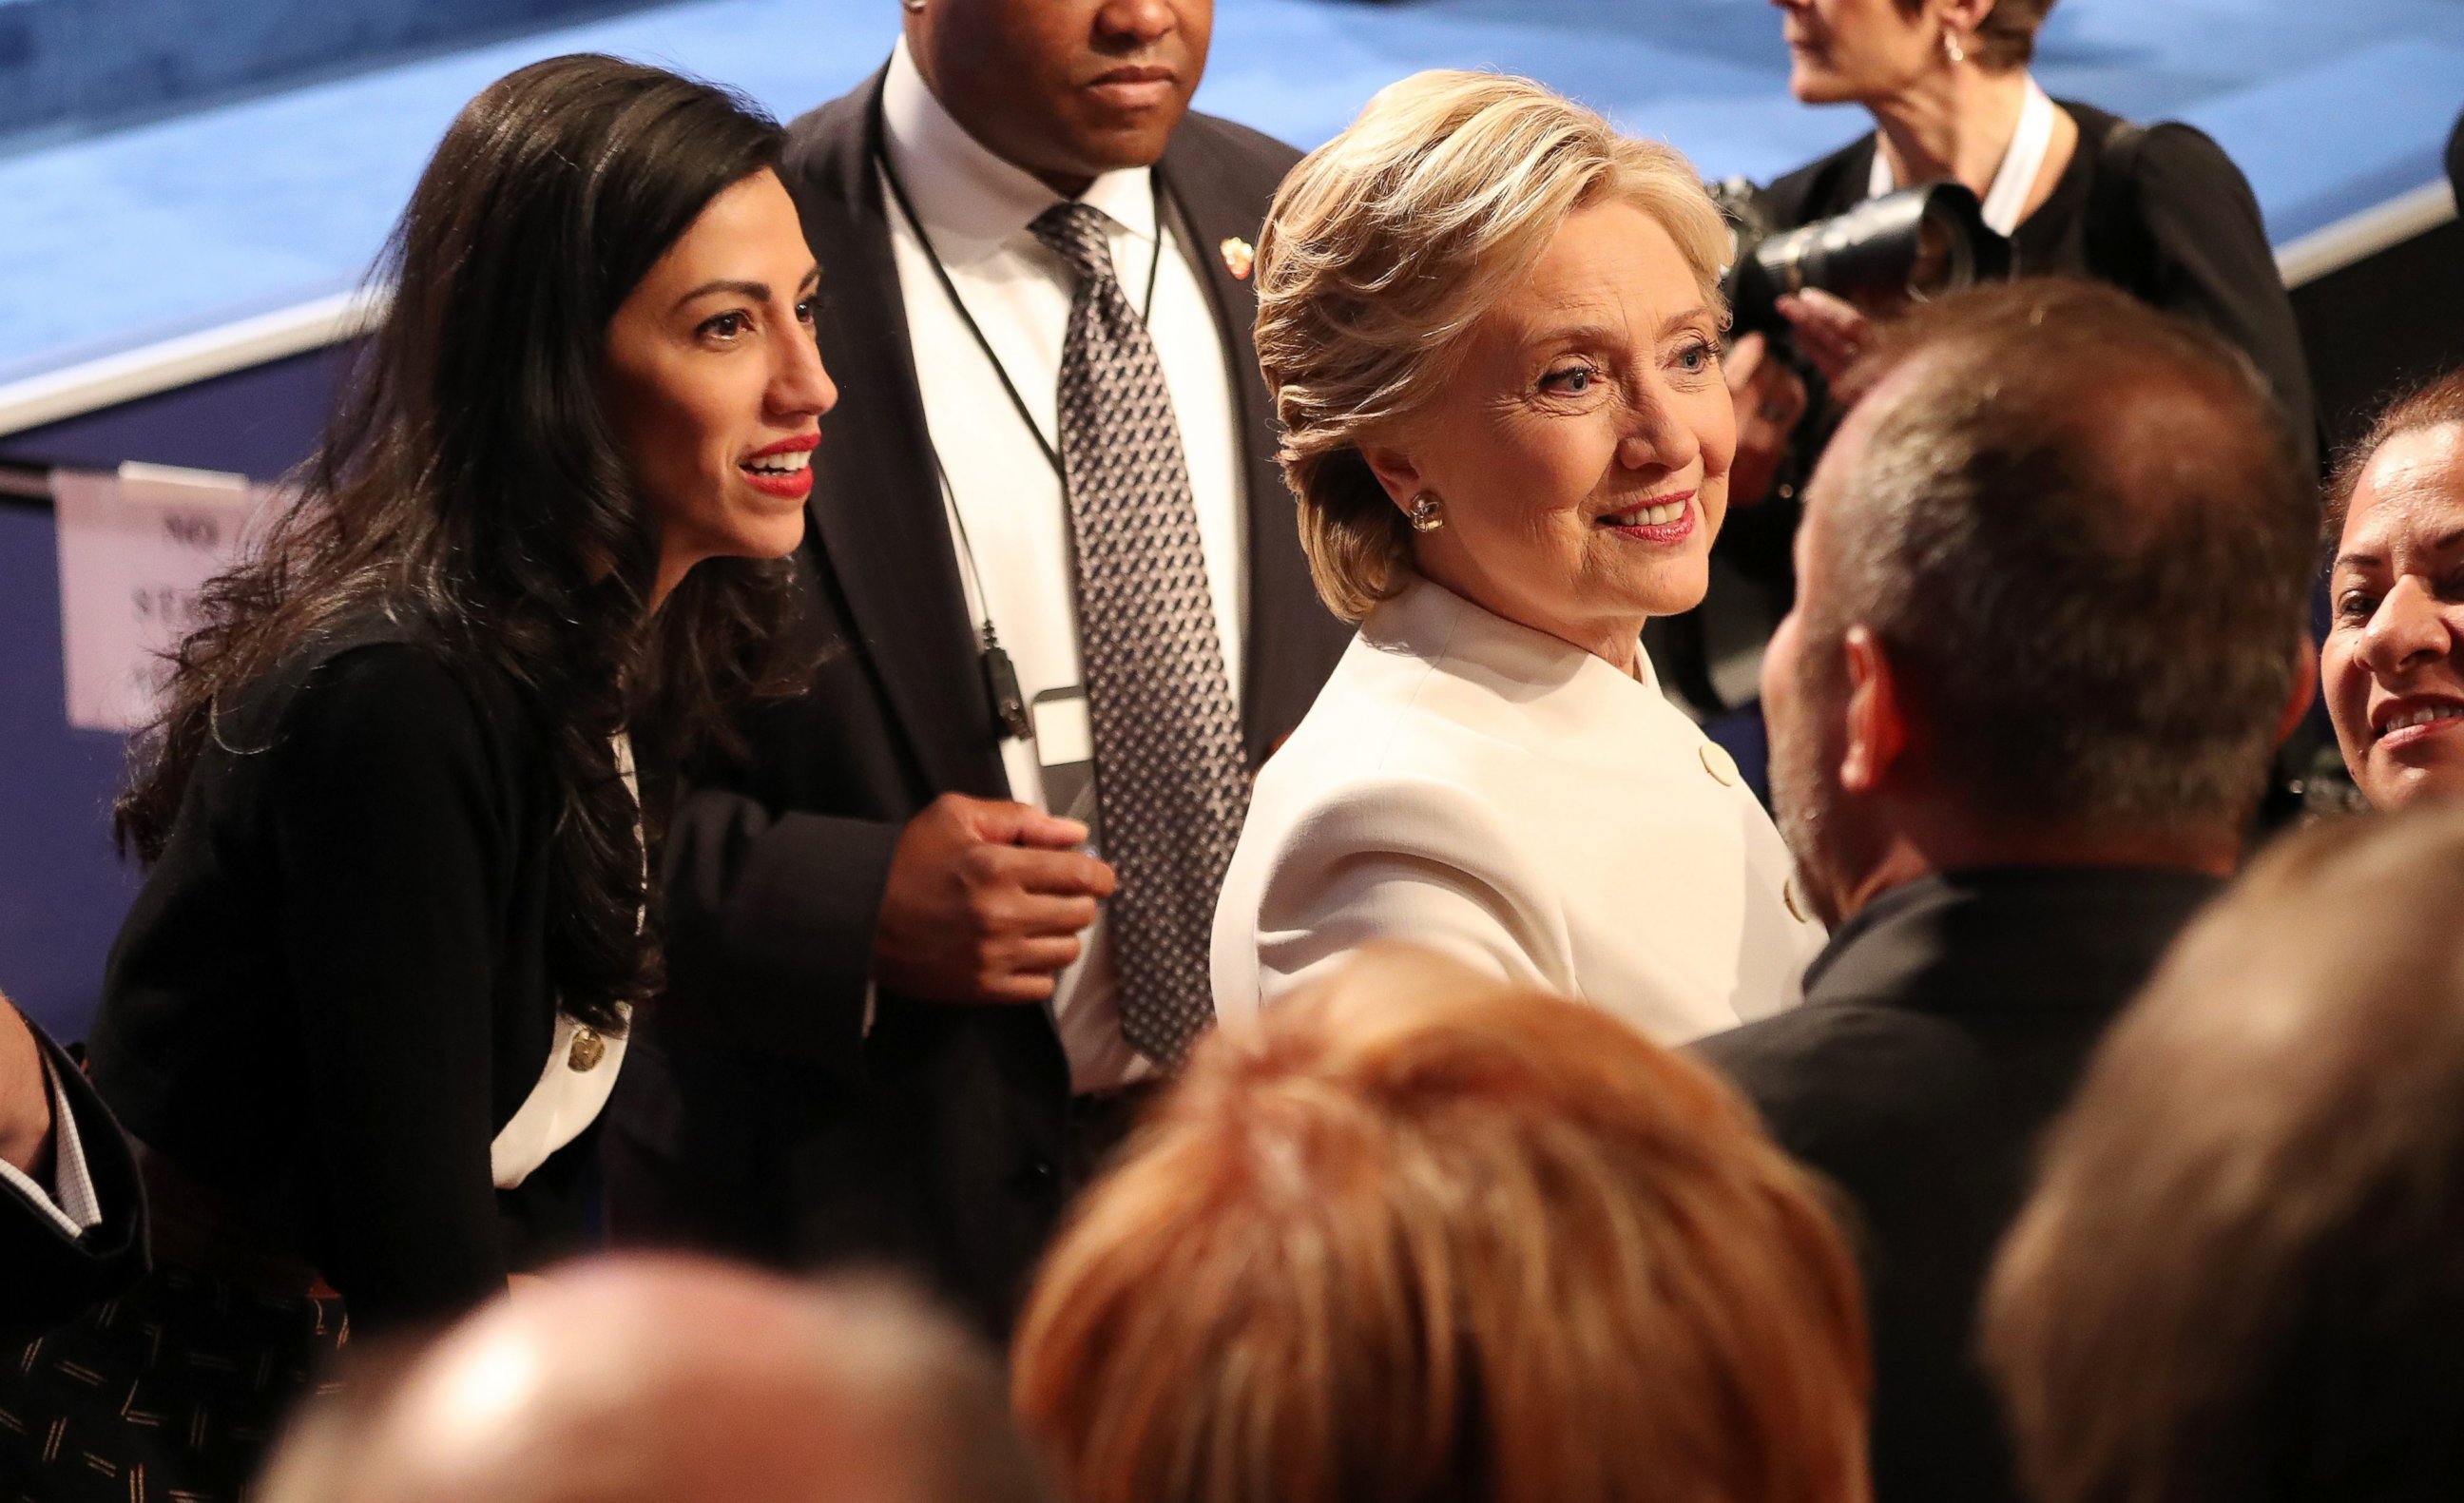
(1944, 1027)
(51, 1275)
(2186, 236)
(332, 991)
(757, 1111)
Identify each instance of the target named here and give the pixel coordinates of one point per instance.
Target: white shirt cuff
(71, 1204)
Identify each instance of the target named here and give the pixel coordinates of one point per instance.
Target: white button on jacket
(1487, 790)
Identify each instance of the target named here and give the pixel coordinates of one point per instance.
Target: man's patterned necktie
(1171, 779)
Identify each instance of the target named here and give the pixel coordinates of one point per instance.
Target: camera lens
(1886, 252)
(1936, 269)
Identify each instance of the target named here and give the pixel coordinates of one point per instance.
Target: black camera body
(1880, 256)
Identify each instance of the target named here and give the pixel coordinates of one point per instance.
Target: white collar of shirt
(973, 204)
(71, 1204)
(2021, 164)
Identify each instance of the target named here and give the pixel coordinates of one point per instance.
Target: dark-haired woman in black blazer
(375, 988)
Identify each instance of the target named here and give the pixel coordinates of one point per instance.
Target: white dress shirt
(70, 1203)
(1489, 791)
(976, 208)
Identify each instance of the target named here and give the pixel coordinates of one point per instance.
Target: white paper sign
(135, 547)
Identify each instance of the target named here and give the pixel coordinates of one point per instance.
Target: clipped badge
(1239, 255)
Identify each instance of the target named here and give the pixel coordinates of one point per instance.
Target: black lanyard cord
(1001, 675)
(950, 289)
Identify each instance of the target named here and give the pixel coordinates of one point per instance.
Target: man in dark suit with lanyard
(1058, 582)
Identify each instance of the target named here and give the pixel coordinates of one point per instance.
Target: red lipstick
(790, 475)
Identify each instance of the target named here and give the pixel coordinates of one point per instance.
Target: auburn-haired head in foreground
(1419, 1236)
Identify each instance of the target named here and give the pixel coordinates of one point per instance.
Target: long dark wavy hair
(469, 480)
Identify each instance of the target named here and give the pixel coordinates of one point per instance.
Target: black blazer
(2185, 235)
(333, 989)
(51, 1275)
(1944, 1025)
(758, 1115)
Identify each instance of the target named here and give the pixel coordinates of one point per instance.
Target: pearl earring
(1951, 49)
(1427, 511)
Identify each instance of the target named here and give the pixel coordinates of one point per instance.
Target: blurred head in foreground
(1421, 1236)
(2239, 1278)
(2393, 663)
(674, 1380)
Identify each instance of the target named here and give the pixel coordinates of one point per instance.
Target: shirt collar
(974, 203)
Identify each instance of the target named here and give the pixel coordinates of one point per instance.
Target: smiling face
(1856, 50)
(714, 386)
(1580, 452)
(1066, 89)
(2393, 664)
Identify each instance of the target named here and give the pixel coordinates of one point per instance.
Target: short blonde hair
(1420, 1235)
(1388, 243)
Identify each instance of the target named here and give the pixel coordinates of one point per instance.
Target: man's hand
(25, 1099)
(1770, 400)
(985, 903)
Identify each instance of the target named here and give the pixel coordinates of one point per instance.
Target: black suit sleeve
(53, 1275)
(391, 844)
(2214, 265)
(771, 921)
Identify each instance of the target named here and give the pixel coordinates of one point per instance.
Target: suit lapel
(876, 511)
(1282, 604)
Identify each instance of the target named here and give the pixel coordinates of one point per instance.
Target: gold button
(588, 1050)
(1788, 895)
(1719, 764)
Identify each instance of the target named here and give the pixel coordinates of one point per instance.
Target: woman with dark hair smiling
(2393, 668)
(376, 986)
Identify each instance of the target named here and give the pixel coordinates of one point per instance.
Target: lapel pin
(1239, 255)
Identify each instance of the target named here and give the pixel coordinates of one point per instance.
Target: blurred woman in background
(374, 990)
(1421, 1235)
(2161, 213)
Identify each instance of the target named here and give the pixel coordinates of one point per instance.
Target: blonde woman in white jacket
(1492, 329)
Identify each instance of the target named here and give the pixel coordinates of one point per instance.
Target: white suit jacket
(1494, 793)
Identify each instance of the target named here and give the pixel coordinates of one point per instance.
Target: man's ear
(2305, 688)
(1877, 723)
